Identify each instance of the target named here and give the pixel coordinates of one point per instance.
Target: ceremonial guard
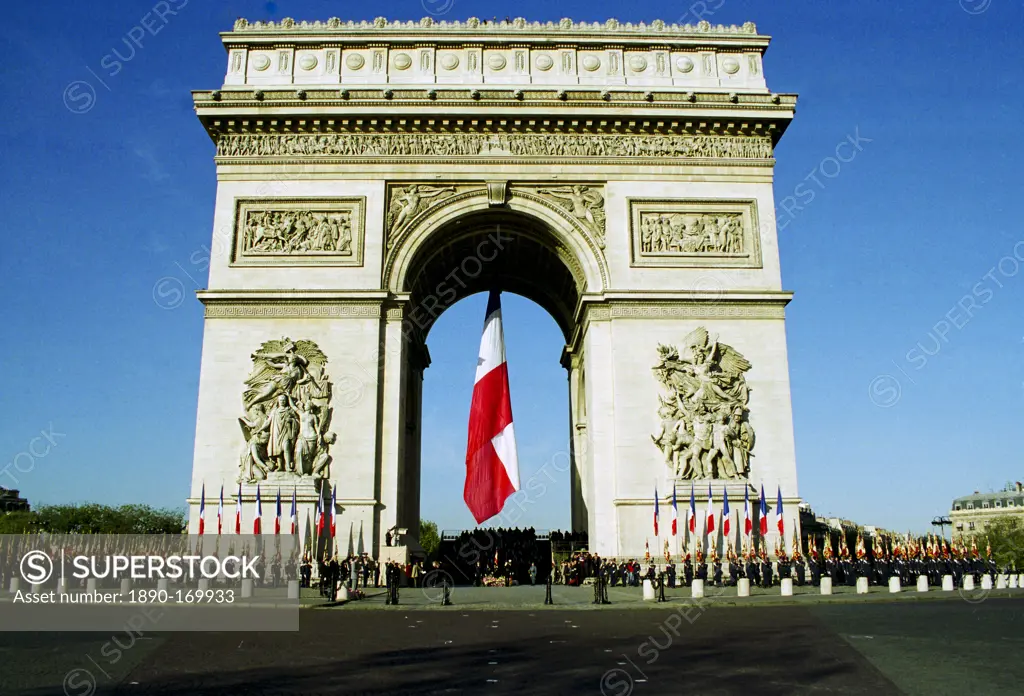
(702, 567)
(306, 571)
(671, 572)
(766, 570)
(814, 564)
(716, 566)
(688, 571)
(735, 572)
(753, 572)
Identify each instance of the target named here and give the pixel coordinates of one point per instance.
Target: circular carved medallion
(591, 63)
(496, 61)
(684, 64)
(261, 63)
(403, 61)
(449, 61)
(544, 62)
(307, 62)
(355, 61)
(637, 63)
(731, 66)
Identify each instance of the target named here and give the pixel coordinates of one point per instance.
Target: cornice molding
(564, 29)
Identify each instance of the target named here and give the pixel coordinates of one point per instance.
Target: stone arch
(544, 232)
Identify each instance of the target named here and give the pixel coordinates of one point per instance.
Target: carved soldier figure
(309, 437)
(283, 425)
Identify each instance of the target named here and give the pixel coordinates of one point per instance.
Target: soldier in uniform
(753, 572)
(766, 570)
(798, 566)
(783, 565)
(716, 572)
(671, 572)
(814, 566)
(702, 567)
(734, 570)
(688, 571)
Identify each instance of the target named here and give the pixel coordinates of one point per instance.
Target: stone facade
(971, 514)
(372, 174)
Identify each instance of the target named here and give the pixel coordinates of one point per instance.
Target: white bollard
(786, 585)
(62, 585)
(37, 588)
(986, 582)
(862, 585)
(968, 583)
(826, 586)
(293, 589)
(15, 585)
(162, 585)
(247, 587)
(947, 583)
(126, 585)
(1020, 580)
(697, 589)
(343, 593)
(894, 585)
(204, 584)
(648, 591)
(743, 587)
(90, 585)
(1013, 582)
(1000, 582)
(922, 583)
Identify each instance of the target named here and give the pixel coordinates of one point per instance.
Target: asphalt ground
(875, 646)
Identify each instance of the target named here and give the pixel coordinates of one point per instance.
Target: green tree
(430, 539)
(91, 518)
(1006, 534)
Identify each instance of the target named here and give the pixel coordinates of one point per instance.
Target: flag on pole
(764, 514)
(710, 523)
(257, 521)
(748, 526)
(692, 513)
(655, 511)
(295, 514)
(238, 511)
(202, 510)
(320, 515)
(277, 516)
(220, 510)
(726, 521)
(779, 520)
(492, 464)
(334, 507)
(675, 512)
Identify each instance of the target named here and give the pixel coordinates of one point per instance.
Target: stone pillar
(392, 436)
(648, 591)
(247, 587)
(601, 461)
(1000, 582)
(986, 582)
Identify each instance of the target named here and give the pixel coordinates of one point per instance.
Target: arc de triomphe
(371, 174)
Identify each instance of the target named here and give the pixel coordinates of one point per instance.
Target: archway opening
(448, 279)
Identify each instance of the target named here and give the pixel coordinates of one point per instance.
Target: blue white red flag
(764, 514)
(202, 510)
(675, 512)
(748, 526)
(779, 520)
(655, 511)
(693, 513)
(726, 521)
(257, 521)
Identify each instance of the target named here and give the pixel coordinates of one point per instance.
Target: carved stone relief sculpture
(695, 233)
(287, 414)
(705, 432)
(406, 202)
(299, 232)
(585, 203)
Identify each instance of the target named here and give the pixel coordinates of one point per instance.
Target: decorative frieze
(299, 232)
(695, 233)
(312, 309)
(454, 145)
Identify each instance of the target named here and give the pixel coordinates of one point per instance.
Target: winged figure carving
(705, 432)
(287, 412)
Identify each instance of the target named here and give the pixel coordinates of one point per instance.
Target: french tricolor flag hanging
(257, 521)
(320, 515)
(220, 510)
(726, 516)
(655, 511)
(709, 525)
(748, 526)
(764, 514)
(295, 514)
(334, 507)
(779, 521)
(277, 516)
(492, 464)
(675, 512)
(238, 511)
(693, 513)
(202, 510)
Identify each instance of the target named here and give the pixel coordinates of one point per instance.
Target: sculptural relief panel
(695, 233)
(299, 232)
(705, 431)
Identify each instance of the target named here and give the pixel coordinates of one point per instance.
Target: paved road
(877, 648)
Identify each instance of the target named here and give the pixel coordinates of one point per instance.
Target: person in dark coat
(753, 571)
(766, 570)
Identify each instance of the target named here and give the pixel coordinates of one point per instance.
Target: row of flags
(257, 521)
(726, 517)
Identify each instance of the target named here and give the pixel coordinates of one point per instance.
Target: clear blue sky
(99, 206)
